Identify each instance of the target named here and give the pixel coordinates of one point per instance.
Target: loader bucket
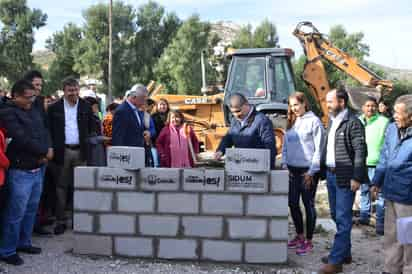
(358, 96)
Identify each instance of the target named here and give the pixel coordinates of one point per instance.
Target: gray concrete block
(247, 159)
(222, 251)
(115, 178)
(82, 222)
(117, 224)
(203, 226)
(244, 181)
(92, 200)
(160, 178)
(279, 229)
(201, 179)
(93, 245)
(260, 205)
(158, 225)
(136, 202)
(222, 204)
(259, 252)
(279, 181)
(132, 158)
(133, 247)
(177, 249)
(247, 228)
(84, 177)
(178, 203)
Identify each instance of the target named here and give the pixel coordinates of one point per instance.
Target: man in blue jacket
(394, 175)
(248, 129)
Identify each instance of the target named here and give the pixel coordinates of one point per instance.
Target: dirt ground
(57, 256)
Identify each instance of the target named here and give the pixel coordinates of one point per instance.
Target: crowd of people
(42, 141)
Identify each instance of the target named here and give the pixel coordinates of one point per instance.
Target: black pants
(297, 189)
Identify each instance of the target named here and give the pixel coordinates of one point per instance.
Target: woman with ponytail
(301, 155)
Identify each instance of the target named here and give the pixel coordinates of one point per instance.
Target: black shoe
(380, 233)
(60, 229)
(41, 230)
(13, 260)
(29, 249)
(347, 260)
(364, 222)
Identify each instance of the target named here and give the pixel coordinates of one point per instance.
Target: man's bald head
(239, 105)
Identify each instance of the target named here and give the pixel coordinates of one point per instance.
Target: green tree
(17, 37)
(155, 30)
(264, 36)
(63, 44)
(179, 66)
(91, 55)
(351, 44)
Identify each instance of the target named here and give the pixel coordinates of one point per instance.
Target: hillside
(227, 31)
(396, 74)
(43, 58)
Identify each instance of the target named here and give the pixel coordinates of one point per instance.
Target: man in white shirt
(71, 123)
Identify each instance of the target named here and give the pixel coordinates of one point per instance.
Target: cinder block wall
(192, 214)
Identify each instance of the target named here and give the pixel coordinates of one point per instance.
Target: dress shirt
(71, 129)
(330, 148)
(136, 111)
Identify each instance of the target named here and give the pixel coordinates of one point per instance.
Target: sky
(387, 25)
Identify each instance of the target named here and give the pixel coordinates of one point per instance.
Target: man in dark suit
(128, 121)
(70, 123)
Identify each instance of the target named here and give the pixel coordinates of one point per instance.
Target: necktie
(139, 122)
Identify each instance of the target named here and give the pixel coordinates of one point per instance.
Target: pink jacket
(4, 162)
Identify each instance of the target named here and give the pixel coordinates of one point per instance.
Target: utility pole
(109, 93)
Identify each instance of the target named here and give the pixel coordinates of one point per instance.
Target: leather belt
(72, 147)
(331, 170)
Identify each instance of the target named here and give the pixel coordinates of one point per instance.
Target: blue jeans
(340, 201)
(365, 204)
(23, 195)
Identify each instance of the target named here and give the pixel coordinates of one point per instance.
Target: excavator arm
(317, 47)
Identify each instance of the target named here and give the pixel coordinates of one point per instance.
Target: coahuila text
(154, 180)
(238, 158)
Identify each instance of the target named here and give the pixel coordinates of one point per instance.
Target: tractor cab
(264, 76)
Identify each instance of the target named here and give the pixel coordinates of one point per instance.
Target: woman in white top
(301, 155)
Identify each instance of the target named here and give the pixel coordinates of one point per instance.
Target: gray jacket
(303, 143)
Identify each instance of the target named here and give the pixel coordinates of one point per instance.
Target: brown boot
(346, 260)
(330, 269)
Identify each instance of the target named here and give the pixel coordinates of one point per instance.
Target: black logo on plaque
(122, 158)
(203, 180)
(118, 180)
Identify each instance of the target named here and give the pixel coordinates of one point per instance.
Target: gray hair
(136, 90)
(407, 101)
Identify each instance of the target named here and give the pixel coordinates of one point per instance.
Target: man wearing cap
(128, 121)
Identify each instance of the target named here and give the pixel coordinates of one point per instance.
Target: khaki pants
(398, 258)
(72, 159)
